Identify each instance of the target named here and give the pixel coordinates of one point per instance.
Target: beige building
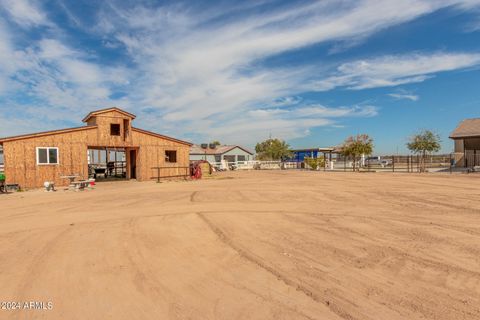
(32, 159)
(467, 143)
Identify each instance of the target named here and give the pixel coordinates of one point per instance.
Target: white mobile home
(213, 153)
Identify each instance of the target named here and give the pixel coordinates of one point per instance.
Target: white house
(213, 153)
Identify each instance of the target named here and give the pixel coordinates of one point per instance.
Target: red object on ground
(197, 171)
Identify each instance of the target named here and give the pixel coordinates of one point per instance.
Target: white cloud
(389, 71)
(405, 96)
(26, 13)
(51, 49)
(197, 72)
(190, 70)
(285, 123)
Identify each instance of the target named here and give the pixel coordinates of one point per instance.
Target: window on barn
(47, 155)
(126, 125)
(241, 158)
(170, 156)
(114, 129)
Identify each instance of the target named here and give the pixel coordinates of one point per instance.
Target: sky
(309, 72)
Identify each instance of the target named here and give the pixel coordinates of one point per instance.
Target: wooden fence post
(450, 161)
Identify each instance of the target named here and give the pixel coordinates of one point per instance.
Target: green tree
(356, 146)
(315, 163)
(216, 142)
(423, 143)
(272, 149)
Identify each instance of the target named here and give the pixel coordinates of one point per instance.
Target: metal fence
(397, 163)
(469, 159)
(389, 163)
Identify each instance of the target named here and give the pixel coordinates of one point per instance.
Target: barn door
(133, 164)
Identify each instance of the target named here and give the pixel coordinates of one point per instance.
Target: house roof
(45, 133)
(467, 128)
(97, 112)
(330, 149)
(196, 149)
(161, 136)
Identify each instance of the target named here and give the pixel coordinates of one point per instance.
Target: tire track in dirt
(192, 196)
(93, 223)
(144, 278)
(352, 235)
(36, 267)
(380, 253)
(259, 263)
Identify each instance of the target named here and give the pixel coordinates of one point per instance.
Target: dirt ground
(247, 245)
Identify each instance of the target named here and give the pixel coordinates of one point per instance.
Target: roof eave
(465, 136)
(97, 112)
(158, 135)
(44, 133)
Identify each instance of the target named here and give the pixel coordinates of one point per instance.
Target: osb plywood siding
(151, 153)
(103, 122)
(21, 166)
(20, 152)
(21, 161)
(92, 121)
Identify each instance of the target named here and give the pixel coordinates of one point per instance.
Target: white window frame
(48, 156)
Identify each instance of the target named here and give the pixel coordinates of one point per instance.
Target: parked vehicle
(377, 160)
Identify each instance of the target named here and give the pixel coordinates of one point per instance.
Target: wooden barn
(32, 159)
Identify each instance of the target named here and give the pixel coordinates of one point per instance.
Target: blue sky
(309, 72)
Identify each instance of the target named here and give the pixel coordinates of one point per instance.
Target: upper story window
(170, 156)
(114, 129)
(47, 155)
(126, 125)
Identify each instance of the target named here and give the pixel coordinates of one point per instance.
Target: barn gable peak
(107, 110)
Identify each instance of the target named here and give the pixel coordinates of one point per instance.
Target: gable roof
(196, 149)
(158, 135)
(328, 149)
(97, 112)
(45, 133)
(467, 128)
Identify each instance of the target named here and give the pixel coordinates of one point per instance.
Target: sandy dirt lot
(248, 245)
